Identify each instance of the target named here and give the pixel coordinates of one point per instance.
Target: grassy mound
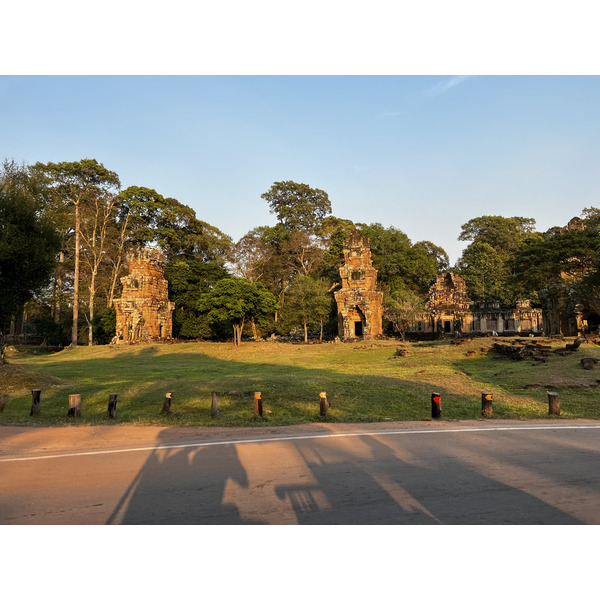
(364, 382)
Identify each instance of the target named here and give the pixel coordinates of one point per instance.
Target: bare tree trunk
(119, 262)
(237, 334)
(74, 331)
(305, 333)
(58, 287)
(92, 294)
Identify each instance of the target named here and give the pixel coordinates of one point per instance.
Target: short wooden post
(436, 405)
(74, 405)
(36, 405)
(112, 405)
(167, 403)
(3, 402)
(553, 403)
(258, 405)
(214, 405)
(324, 405)
(486, 404)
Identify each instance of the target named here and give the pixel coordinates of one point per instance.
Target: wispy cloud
(445, 85)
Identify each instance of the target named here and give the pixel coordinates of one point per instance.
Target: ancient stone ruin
(448, 311)
(359, 304)
(448, 306)
(144, 311)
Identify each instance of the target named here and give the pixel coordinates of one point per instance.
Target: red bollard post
(436, 405)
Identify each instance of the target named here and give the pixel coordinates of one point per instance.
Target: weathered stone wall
(144, 312)
(359, 304)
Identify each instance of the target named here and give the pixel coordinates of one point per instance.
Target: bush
(104, 325)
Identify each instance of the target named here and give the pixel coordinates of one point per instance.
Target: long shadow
(182, 486)
(406, 481)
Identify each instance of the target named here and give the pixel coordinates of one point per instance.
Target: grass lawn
(364, 382)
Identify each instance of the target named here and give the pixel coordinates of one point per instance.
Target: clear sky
(421, 153)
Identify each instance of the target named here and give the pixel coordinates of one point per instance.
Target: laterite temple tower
(144, 311)
(359, 304)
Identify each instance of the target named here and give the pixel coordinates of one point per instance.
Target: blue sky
(421, 153)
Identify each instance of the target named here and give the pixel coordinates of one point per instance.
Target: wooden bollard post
(324, 405)
(553, 403)
(74, 405)
(258, 407)
(3, 402)
(436, 405)
(214, 405)
(167, 403)
(112, 405)
(486, 404)
(36, 405)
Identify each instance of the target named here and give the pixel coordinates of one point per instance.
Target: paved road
(484, 472)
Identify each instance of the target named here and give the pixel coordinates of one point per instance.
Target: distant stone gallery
(448, 310)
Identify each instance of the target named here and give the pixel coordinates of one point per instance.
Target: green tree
(73, 185)
(484, 272)
(235, 301)
(401, 308)
(437, 252)
(29, 242)
(188, 279)
(308, 302)
(504, 234)
(104, 325)
(173, 226)
(489, 270)
(333, 233)
(297, 206)
(560, 258)
(400, 265)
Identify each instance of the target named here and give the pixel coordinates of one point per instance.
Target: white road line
(299, 437)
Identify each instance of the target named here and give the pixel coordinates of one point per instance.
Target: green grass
(364, 382)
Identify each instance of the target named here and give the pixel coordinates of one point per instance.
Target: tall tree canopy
(297, 206)
(171, 225)
(29, 241)
(485, 273)
(560, 257)
(488, 263)
(504, 234)
(74, 185)
(400, 265)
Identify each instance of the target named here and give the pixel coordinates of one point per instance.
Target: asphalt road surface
(482, 472)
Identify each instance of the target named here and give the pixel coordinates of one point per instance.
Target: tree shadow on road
(182, 486)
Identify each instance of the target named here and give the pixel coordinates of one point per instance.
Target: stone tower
(359, 304)
(144, 311)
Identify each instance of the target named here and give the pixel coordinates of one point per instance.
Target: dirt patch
(15, 379)
(565, 386)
